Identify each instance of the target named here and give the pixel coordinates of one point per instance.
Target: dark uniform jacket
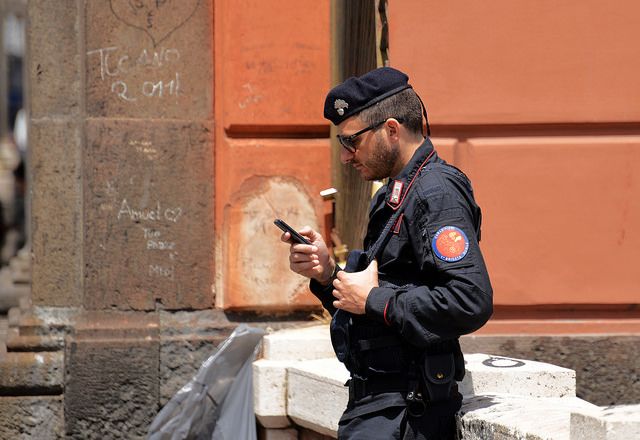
(434, 285)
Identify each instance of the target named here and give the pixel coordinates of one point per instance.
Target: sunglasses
(348, 142)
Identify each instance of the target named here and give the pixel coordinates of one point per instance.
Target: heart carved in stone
(158, 18)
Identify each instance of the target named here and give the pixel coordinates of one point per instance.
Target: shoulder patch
(450, 244)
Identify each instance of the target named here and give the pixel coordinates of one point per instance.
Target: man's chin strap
(424, 113)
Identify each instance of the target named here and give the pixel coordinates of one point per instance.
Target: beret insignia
(340, 105)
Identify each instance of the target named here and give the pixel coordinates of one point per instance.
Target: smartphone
(297, 238)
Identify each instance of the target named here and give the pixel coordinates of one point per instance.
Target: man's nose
(345, 156)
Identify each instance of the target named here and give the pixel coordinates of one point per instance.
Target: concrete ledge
(613, 423)
(506, 416)
(298, 344)
(32, 373)
(316, 395)
(270, 395)
(488, 374)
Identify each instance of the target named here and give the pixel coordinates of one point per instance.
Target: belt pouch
(438, 371)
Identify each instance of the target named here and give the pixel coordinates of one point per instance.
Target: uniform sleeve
(324, 294)
(456, 296)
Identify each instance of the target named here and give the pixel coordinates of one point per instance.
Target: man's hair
(404, 105)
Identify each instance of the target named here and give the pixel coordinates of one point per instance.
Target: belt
(359, 388)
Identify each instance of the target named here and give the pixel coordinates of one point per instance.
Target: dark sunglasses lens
(347, 143)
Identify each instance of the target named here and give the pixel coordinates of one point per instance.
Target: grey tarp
(217, 403)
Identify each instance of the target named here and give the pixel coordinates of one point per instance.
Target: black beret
(358, 93)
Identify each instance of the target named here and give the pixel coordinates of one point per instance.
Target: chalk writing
(162, 271)
(153, 214)
(145, 148)
(150, 233)
(251, 99)
(161, 245)
(152, 17)
(113, 65)
(155, 242)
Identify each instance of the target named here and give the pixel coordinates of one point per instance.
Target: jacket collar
(398, 185)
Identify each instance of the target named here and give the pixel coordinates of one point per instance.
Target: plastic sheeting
(217, 403)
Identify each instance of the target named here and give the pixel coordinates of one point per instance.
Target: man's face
(374, 157)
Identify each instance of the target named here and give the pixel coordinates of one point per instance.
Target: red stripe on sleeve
(385, 314)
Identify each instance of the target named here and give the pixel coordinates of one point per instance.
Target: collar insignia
(340, 105)
(396, 192)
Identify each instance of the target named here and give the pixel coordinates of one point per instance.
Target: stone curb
(32, 373)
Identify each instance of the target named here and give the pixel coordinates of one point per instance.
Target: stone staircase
(31, 361)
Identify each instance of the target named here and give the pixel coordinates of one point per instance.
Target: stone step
(32, 373)
(9, 298)
(34, 343)
(32, 417)
(298, 344)
(45, 321)
(316, 395)
(621, 422)
(14, 314)
(508, 416)
(498, 374)
(4, 327)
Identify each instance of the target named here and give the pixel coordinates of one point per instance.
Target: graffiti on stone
(156, 18)
(116, 65)
(155, 239)
(502, 362)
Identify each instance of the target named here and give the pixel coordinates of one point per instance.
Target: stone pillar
(122, 115)
(122, 161)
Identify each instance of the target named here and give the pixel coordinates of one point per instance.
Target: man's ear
(393, 129)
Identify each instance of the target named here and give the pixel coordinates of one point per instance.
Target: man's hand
(352, 289)
(311, 261)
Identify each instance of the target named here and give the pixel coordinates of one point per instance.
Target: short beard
(383, 159)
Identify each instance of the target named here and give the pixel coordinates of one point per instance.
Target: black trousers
(394, 423)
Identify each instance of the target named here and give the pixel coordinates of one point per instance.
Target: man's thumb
(373, 266)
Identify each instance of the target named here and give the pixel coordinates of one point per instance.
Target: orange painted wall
(272, 154)
(540, 105)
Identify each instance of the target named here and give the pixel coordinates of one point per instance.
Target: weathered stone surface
(54, 73)
(607, 369)
(258, 276)
(56, 213)
(149, 59)
(316, 395)
(507, 417)
(4, 326)
(148, 207)
(32, 373)
(613, 423)
(312, 342)
(494, 374)
(270, 392)
(26, 418)
(112, 388)
(48, 321)
(187, 339)
(277, 434)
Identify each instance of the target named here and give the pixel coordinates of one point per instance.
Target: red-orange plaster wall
(542, 100)
(272, 154)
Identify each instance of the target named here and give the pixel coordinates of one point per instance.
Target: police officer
(399, 307)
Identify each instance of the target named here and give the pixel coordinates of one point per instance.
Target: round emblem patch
(450, 244)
